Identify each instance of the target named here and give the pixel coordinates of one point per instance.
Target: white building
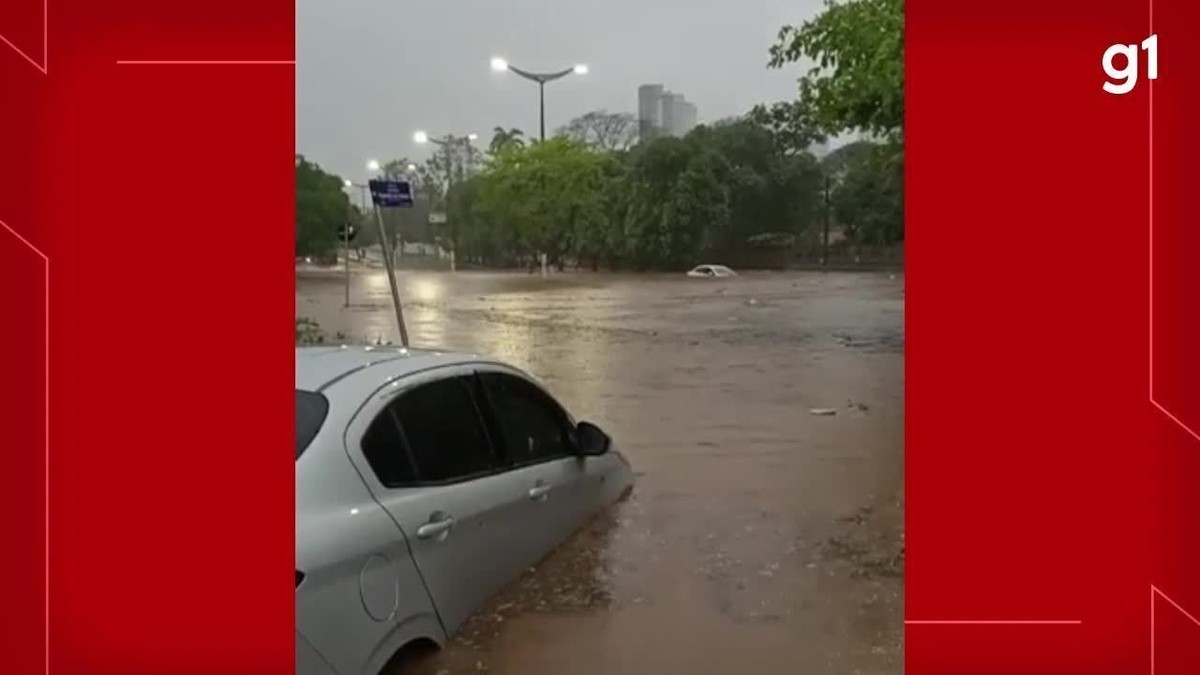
(649, 110)
(662, 112)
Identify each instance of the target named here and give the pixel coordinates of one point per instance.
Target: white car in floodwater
(425, 482)
(711, 271)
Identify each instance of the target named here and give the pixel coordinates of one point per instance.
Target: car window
(384, 448)
(430, 434)
(532, 426)
(311, 410)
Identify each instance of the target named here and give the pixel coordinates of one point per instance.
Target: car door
(537, 438)
(430, 462)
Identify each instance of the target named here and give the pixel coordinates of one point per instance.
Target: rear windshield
(311, 410)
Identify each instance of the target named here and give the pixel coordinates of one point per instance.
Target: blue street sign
(391, 193)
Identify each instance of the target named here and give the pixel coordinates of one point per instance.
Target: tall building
(685, 117)
(663, 112)
(649, 110)
(670, 105)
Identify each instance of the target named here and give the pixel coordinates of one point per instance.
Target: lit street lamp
(420, 137)
(500, 65)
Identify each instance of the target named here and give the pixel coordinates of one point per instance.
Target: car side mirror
(592, 440)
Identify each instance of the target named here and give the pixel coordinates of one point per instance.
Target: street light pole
(542, 110)
(500, 65)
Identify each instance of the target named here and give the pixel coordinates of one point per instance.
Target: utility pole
(825, 238)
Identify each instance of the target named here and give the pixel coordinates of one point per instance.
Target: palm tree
(502, 138)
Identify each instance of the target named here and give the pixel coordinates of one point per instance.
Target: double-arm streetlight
(501, 65)
(421, 138)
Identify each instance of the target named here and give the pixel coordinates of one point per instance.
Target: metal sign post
(346, 252)
(393, 194)
(348, 232)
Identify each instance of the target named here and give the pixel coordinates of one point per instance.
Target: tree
(848, 156)
(868, 200)
(502, 138)
(792, 124)
(858, 80)
(856, 84)
(545, 195)
(321, 208)
(602, 130)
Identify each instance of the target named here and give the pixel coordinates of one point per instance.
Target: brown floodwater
(760, 538)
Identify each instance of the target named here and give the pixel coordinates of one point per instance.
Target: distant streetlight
(373, 165)
(412, 168)
(421, 138)
(446, 144)
(499, 64)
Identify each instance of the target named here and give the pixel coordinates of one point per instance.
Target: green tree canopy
(321, 207)
(541, 193)
(868, 200)
(602, 130)
(857, 82)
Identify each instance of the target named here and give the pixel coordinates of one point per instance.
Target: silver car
(711, 272)
(425, 482)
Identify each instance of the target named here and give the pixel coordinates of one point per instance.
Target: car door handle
(539, 492)
(435, 528)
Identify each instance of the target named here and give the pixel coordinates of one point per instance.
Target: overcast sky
(370, 72)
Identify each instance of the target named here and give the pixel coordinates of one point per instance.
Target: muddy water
(760, 538)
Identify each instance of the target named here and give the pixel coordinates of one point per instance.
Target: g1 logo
(1123, 80)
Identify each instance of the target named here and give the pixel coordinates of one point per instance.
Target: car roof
(320, 367)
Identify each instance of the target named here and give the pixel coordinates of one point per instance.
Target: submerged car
(711, 271)
(425, 482)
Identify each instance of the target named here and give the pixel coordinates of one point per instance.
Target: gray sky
(370, 72)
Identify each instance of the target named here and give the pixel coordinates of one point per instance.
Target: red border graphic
(171, 491)
(44, 66)
(1155, 595)
(1042, 490)
(1044, 495)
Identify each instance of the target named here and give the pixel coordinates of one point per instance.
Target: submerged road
(760, 538)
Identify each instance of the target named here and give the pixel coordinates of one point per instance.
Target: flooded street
(760, 537)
